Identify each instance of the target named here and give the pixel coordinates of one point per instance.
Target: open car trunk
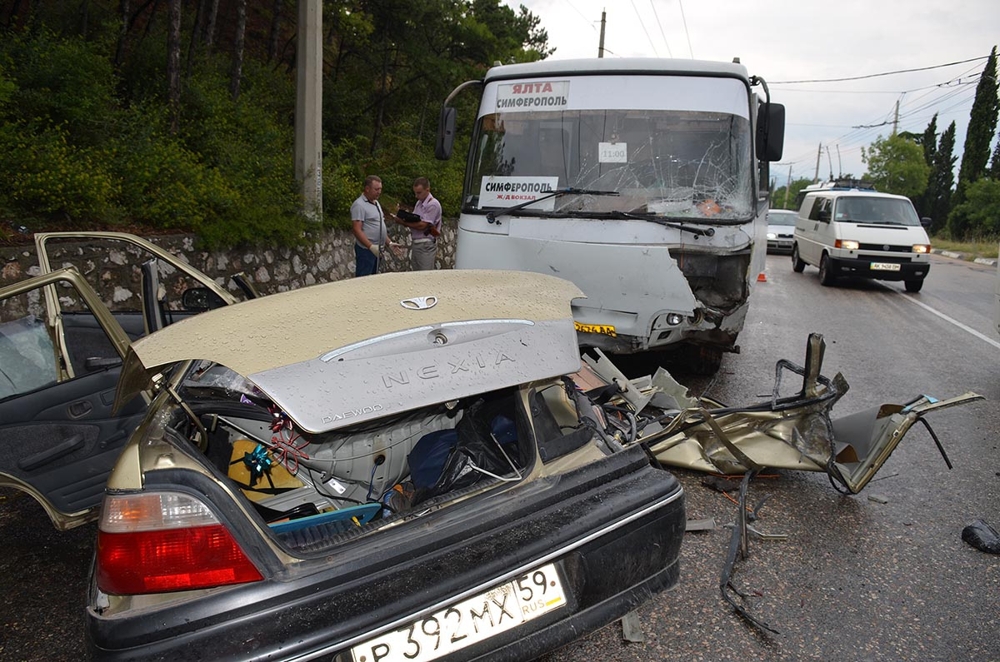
(323, 438)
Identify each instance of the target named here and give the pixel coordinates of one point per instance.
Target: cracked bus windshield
(680, 164)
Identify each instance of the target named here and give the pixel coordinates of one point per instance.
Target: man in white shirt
(425, 226)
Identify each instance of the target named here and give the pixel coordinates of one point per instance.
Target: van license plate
(885, 266)
(470, 621)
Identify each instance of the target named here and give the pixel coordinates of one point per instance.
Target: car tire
(913, 285)
(798, 266)
(826, 277)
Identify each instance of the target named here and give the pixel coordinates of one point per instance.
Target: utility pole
(600, 48)
(829, 160)
(819, 153)
(788, 187)
(895, 118)
(309, 107)
(840, 165)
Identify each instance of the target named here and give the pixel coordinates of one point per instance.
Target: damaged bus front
(644, 181)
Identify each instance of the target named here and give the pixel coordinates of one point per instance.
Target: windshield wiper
(491, 216)
(677, 225)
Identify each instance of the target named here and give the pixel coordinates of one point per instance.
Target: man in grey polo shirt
(370, 235)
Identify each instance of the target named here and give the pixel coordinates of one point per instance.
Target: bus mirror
(446, 134)
(771, 132)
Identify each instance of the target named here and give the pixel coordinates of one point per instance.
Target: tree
(982, 124)
(927, 140)
(100, 124)
(174, 64)
(994, 172)
(979, 214)
(896, 165)
(236, 70)
(784, 196)
(937, 198)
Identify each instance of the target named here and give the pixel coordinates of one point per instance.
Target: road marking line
(953, 321)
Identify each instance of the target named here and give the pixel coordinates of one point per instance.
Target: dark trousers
(365, 262)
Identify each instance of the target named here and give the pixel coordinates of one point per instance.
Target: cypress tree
(975, 156)
(929, 142)
(938, 196)
(994, 172)
(982, 124)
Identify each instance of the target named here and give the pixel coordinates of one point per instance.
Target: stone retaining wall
(328, 257)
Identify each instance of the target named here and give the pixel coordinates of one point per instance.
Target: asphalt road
(883, 575)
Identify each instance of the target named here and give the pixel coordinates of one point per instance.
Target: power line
(686, 33)
(582, 15)
(935, 86)
(662, 33)
(956, 92)
(643, 24)
(886, 73)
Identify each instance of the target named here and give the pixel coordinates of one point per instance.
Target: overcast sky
(782, 40)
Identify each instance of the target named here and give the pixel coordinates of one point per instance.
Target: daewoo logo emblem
(419, 303)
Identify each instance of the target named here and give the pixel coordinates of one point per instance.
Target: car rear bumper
(862, 267)
(612, 529)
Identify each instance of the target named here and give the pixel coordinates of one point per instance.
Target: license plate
(469, 621)
(604, 329)
(885, 266)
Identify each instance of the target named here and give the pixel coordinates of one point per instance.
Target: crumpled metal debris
(792, 432)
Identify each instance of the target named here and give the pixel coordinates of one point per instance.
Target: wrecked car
(390, 468)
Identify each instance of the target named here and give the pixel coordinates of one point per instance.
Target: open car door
(163, 290)
(59, 437)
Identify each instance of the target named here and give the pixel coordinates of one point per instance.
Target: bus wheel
(706, 361)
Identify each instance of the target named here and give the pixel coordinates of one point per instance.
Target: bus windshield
(686, 164)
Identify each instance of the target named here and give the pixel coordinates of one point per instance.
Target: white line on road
(953, 321)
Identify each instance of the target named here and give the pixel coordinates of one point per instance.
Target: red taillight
(159, 542)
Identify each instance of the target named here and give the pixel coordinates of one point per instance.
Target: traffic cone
(761, 277)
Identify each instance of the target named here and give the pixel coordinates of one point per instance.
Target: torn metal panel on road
(793, 432)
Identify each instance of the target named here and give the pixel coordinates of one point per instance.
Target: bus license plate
(469, 621)
(885, 266)
(604, 329)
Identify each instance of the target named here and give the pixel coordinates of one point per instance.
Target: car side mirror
(824, 216)
(926, 221)
(200, 299)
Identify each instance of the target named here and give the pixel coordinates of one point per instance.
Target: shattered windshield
(681, 162)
